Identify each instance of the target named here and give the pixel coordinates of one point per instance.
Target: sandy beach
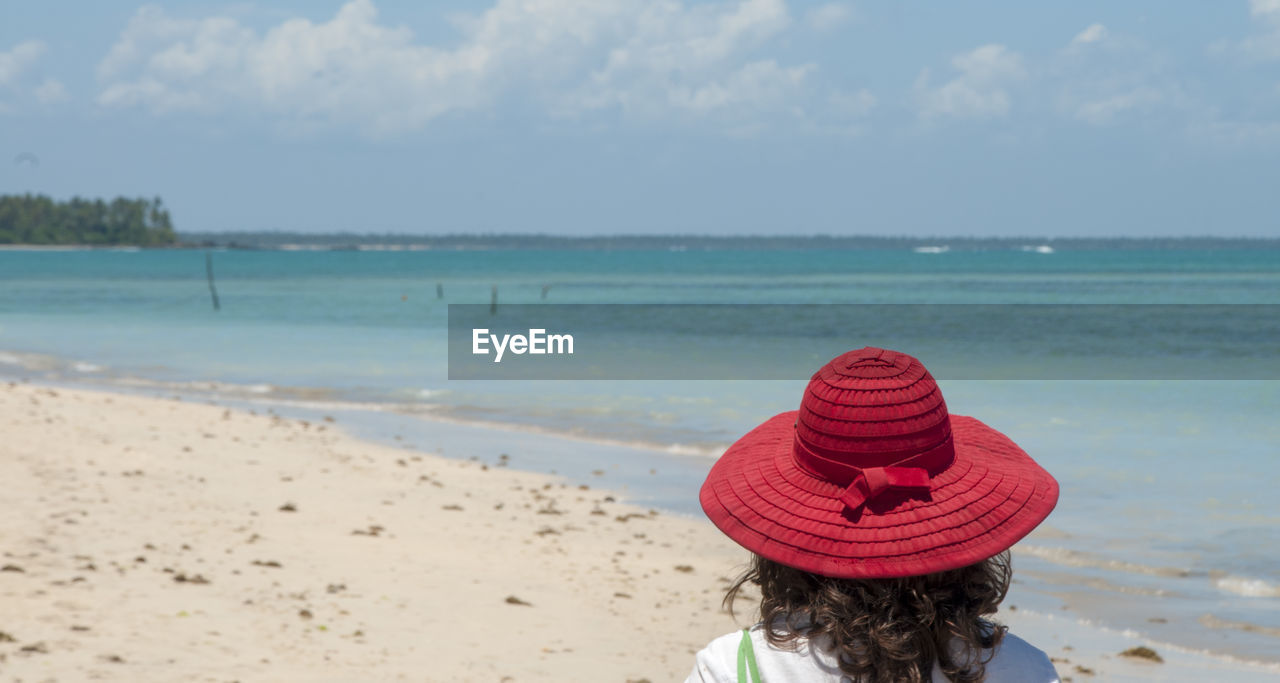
(156, 539)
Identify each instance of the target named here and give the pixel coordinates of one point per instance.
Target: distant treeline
(338, 241)
(37, 219)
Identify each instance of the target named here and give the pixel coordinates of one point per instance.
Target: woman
(879, 527)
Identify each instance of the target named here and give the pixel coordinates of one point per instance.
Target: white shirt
(1015, 661)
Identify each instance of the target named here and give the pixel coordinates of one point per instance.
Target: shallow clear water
(1167, 507)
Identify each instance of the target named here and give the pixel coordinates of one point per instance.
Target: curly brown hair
(886, 630)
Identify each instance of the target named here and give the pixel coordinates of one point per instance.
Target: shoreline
(646, 475)
(48, 369)
(373, 565)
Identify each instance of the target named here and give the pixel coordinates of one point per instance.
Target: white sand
(393, 565)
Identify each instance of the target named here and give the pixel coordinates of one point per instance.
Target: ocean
(1167, 523)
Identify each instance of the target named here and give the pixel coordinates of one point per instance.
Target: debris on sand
(687, 569)
(1143, 652)
(194, 578)
(513, 600)
(288, 507)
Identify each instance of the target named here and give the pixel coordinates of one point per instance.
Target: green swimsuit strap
(747, 660)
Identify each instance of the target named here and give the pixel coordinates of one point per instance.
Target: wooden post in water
(545, 289)
(208, 272)
(493, 300)
(439, 290)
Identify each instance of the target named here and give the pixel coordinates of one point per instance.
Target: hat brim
(991, 496)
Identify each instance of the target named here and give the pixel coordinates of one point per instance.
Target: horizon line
(712, 236)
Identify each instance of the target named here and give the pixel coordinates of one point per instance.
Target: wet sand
(150, 539)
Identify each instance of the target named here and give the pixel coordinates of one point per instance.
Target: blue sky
(669, 116)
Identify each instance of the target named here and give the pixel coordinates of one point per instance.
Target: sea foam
(1247, 587)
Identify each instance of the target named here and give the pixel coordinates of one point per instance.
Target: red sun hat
(872, 478)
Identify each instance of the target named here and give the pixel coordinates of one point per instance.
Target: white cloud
(828, 17)
(348, 69)
(15, 64)
(1105, 109)
(51, 91)
(758, 84)
(567, 56)
(1267, 8)
(840, 113)
(1113, 78)
(1092, 34)
(855, 104)
(1263, 46)
(978, 91)
(18, 59)
(668, 57)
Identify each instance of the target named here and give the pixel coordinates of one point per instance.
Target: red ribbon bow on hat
(865, 484)
(872, 481)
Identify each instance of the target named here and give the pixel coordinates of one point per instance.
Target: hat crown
(872, 407)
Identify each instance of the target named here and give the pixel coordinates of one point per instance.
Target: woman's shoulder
(711, 664)
(1017, 660)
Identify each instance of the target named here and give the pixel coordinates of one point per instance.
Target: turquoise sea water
(1168, 508)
